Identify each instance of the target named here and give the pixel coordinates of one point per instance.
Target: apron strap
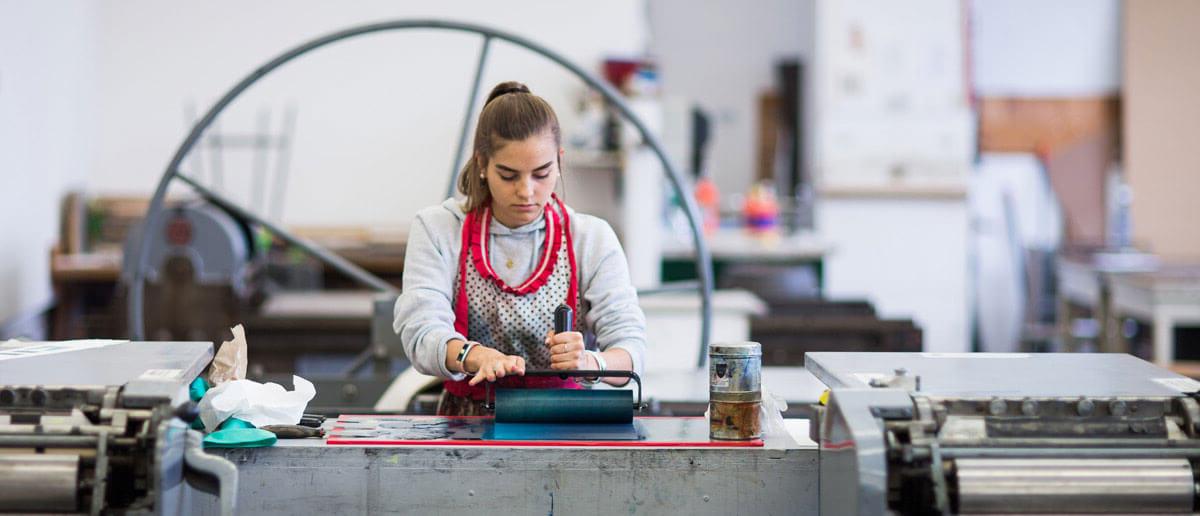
(475, 230)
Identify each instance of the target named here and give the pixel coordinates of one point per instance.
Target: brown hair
(511, 113)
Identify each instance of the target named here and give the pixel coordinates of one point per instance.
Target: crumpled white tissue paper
(256, 403)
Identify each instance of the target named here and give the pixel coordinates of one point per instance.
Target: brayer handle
(564, 319)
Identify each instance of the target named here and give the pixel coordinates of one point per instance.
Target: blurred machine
(203, 274)
(100, 427)
(206, 272)
(942, 433)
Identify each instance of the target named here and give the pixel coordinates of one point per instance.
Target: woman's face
(521, 175)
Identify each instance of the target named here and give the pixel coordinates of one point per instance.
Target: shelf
(930, 192)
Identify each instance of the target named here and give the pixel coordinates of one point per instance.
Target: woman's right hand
(489, 364)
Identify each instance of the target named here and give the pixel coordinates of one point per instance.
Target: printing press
(102, 427)
(958, 433)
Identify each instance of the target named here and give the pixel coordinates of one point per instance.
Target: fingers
(566, 350)
(570, 347)
(564, 337)
(497, 368)
(565, 361)
(571, 357)
(486, 372)
(516, 365)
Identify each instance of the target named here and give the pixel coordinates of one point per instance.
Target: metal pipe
(282, 160)
(466, 125)
(1056, 442)
(1146, 453)
(142, 250)
(261, 147)
(345, 266)
(48, 441)
(1074, 486)
(42, 483)
(219, 470)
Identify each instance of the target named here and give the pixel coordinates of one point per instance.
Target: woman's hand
(566, 351)
(489, 364)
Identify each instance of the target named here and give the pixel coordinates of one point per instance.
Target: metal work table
(308, 476)
(146, 369)
(1164, 298)
(1003, 374)
(1084, 281)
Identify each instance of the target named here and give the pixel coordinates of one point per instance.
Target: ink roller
(566, 414)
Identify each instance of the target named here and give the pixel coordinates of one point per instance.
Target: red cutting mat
(381, 430)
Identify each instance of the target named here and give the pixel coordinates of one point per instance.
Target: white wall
(46, 68)
(891, 96)
(1039, 48)
(378, 115)
(907, 257)
(721, 54)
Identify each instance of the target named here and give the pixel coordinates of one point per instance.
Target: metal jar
(734, 396)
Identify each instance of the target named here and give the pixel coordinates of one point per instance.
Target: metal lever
(210, 473)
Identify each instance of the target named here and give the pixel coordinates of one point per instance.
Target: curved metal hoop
(142, 254)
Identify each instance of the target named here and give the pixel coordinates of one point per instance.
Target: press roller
(564, 406)
(1102, 485)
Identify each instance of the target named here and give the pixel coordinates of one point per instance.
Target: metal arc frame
(136, 296)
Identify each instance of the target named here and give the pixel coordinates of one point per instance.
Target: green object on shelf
(239, 438)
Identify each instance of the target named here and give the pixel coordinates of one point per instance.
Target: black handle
(187, 411)
(294, 431)
(563, 319)
(490, 403)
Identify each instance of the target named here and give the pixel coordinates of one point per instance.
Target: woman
(482, 277)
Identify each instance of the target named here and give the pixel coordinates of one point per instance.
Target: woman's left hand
(566, 351)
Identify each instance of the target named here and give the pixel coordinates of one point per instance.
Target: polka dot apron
(514, 319)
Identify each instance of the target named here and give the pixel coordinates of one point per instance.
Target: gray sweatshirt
(425, 311)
